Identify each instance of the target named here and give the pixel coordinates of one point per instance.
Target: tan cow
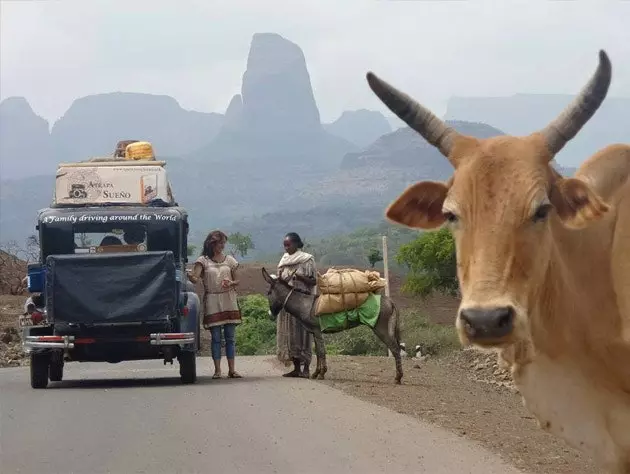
(543, 263)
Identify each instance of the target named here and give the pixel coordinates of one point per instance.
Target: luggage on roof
(139, 151)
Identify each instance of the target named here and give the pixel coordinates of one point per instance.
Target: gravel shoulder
(461, 394)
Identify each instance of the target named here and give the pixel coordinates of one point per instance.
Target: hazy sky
(54, 51)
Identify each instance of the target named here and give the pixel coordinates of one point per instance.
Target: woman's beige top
(220, 304)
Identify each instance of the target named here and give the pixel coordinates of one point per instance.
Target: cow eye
(449, 216)
(542, 212)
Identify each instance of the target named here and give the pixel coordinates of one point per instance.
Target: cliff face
(233, 113)
(24, 141)
(276, 89)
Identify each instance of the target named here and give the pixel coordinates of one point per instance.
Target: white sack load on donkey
(345, 289)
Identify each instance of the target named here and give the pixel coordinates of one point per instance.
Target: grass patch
(433, 339)
(357, 341)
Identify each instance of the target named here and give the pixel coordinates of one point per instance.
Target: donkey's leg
(318, 367)
(313, 328)
(385, 331)
(320, 349)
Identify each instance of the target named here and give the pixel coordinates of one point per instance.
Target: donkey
(301, 305)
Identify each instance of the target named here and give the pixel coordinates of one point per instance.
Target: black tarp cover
(111, 288)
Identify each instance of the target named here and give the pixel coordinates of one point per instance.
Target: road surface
(136, 418)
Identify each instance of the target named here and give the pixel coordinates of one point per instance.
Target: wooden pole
(386, 276)
(385, 266)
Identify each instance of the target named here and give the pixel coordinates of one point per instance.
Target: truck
(112, 272)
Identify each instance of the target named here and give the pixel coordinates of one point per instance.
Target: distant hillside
(24, 140)
(380, 172)
(352, 248)
(522, 114)
(94, 124)
(356, 195)
(361, 127)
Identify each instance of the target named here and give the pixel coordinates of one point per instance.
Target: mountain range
(266, 166)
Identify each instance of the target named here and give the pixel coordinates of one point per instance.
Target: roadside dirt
(464, 392)
(11, 354)
(460, 394)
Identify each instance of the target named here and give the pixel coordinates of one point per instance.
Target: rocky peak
(276, 91)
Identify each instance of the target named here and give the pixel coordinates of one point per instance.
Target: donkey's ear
(267, 277)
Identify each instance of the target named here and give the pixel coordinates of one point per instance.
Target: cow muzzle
(487, 326)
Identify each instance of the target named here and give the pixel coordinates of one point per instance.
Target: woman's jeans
(228, 333)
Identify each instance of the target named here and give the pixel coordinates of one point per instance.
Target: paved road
(137, 418)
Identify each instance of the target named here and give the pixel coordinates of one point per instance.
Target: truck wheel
(39, 370)
(56, 371)
(188, 367)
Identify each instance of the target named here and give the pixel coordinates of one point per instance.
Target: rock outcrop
(24, 141)
(276, 89)
(279, 121)
(361, 127)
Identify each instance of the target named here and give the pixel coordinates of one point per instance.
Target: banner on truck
(111, 184)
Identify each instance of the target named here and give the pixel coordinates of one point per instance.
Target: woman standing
(294, 343)
(218, 274)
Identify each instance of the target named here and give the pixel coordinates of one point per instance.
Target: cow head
(502, 204)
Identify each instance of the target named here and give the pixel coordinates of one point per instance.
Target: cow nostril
(506, 317)
(488, 322)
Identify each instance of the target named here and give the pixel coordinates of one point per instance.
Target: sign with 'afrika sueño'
(111, 184)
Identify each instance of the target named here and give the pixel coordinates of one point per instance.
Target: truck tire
(39, 370)
(55, 371)
(188, 367)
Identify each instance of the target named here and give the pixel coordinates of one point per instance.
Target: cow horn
(581, 109)
(418, 117)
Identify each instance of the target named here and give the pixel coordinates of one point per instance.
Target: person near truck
(294, 342)
(34, 307)
(217, 272)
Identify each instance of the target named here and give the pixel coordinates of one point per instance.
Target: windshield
(114, 237)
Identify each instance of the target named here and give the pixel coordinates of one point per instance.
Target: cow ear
(576, 203)
(419, 206)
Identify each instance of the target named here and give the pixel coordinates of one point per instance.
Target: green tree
(242, 243)
(190, 249)
(256, 335)
(431, 262)
(374, 256)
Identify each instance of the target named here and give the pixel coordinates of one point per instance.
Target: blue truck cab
(112, 272)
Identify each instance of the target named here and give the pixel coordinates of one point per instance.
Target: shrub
(256, 335)
(432, 264)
